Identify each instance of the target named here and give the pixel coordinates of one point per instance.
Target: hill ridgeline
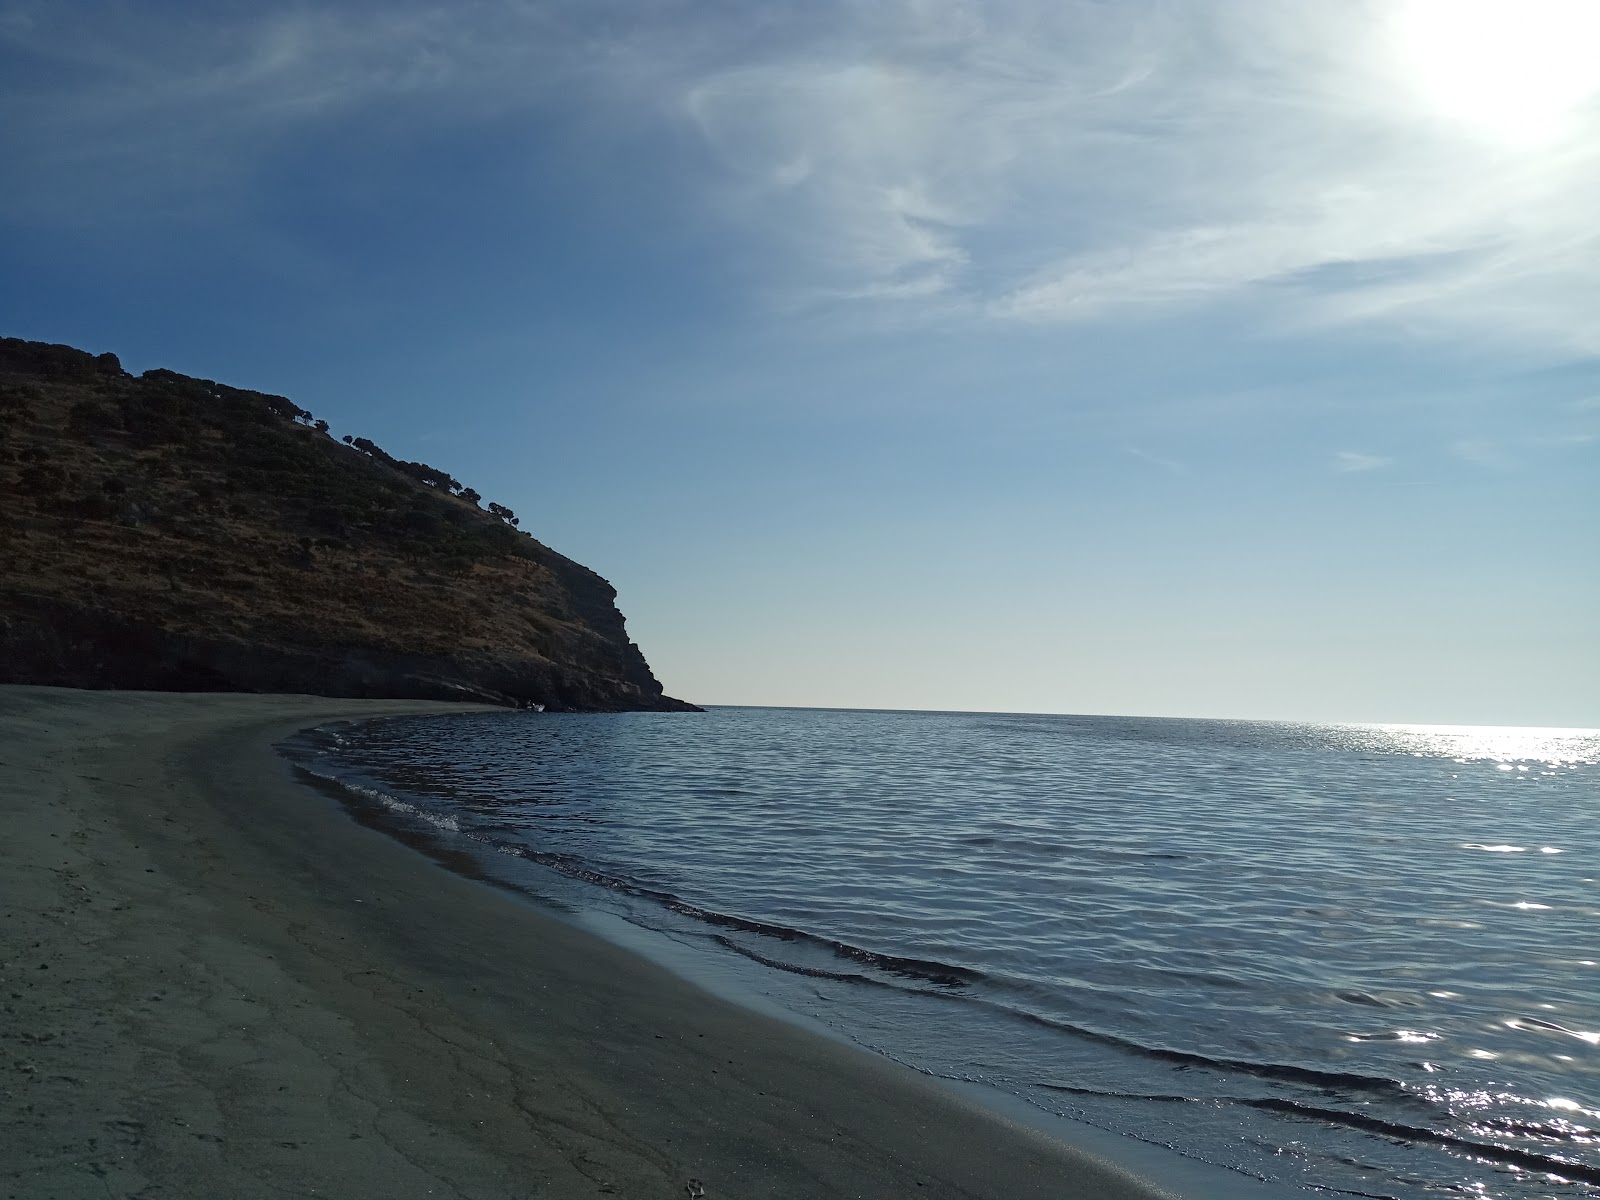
(169, 533)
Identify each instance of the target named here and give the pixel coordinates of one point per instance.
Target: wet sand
(214, 983)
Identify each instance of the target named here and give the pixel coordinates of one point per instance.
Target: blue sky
(1228, 358)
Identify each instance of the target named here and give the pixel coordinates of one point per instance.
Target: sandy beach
(216, 983)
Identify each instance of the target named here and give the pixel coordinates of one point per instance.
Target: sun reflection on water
(1512, 747)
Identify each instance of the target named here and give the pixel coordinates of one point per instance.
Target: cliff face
(169, 533)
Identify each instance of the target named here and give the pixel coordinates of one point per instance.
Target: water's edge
(726, 976)
(1195, 948)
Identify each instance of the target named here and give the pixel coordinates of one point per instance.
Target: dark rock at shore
(170, 533)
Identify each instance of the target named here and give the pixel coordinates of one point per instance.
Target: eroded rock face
(171, 533)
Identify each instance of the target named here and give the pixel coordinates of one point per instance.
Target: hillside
(171, 533)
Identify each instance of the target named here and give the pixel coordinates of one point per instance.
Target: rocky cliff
(165, 532)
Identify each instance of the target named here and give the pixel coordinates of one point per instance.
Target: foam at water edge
(393, 803)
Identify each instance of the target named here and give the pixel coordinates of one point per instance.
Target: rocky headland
(167, 533)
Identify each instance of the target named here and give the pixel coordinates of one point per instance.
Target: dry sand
(214, 983)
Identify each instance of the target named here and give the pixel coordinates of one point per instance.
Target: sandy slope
(216, 984)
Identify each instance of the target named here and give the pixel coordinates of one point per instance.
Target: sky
(1236, 358)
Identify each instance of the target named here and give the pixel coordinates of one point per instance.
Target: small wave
(927, 970)
(945, 975)
(941, 974)
(391, 802)
(1551, 1164)
(1361, 998)
(1286, 1072)
(1055, 849)
(1534, 1023)
(792, 968)
(1526, 1159)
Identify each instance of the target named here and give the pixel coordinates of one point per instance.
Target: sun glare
(1518, 69)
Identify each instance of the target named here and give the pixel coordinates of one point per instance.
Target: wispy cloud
(1351, 461)
(1075, 162)
(1482, 452)
(1019, 161)
(113, 107)
(1166, 464)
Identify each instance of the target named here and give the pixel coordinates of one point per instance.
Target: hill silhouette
(171, 533)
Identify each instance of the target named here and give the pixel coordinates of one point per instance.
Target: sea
(1357, 959)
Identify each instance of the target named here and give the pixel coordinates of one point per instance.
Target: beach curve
(216, 983)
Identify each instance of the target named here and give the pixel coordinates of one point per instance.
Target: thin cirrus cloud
(1481, 452)
(166, 99)
(1354, 461)
(1079, 162)
(1013, 162)
(1166, 464)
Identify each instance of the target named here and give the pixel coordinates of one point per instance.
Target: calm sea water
(1359, 958)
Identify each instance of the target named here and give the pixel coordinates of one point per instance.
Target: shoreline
(217, 983)
(748, 985)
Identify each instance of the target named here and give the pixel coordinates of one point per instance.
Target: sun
(1517, 69)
